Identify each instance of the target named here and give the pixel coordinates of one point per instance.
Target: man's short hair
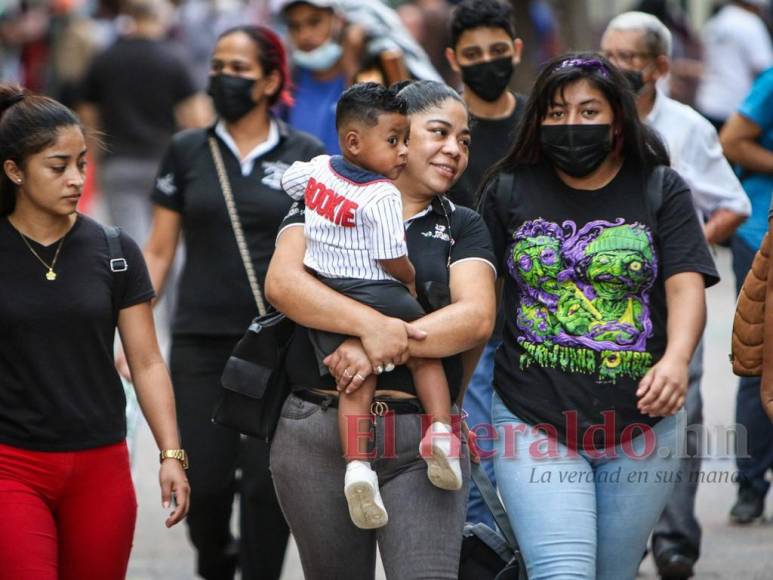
(365, 102)
(657, 37)
(481, 13)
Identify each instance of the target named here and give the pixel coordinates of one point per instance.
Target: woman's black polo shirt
(214, 296)
(444, 234)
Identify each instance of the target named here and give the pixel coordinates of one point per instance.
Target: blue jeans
(576, 516)
(477, 404)
(749, 411)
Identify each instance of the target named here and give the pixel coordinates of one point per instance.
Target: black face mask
(635, 78)
(576, 149)
(232, 96)
(489, 80)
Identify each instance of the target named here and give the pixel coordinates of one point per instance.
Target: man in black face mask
(485, 50)
(640, 45)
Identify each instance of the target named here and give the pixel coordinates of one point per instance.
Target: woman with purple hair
(604, 267)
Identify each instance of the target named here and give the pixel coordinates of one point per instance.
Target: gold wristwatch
(178, 454)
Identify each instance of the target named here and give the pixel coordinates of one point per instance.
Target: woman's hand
(349, 365)
(389, 342)
(472, 442)
(174, 488)
(663, 389)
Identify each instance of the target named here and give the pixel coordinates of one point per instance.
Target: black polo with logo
(439, 237)
(214, 296)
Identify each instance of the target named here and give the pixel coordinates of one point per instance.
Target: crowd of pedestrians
(511, 279)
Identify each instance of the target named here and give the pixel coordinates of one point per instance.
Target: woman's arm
(766, 385)
(462, 326)
(161, 246)
(468, 321)
(154, 392)
(663, 389)
(739, 142)
(292, 289)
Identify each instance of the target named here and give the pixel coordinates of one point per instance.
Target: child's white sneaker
(440, 448)
(366, 507)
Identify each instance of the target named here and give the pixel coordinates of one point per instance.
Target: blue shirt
(314, 110)
(758, 108)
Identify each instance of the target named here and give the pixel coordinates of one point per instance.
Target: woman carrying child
(449, 247)
(355, 243)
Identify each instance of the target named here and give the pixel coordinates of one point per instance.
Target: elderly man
(640, 45)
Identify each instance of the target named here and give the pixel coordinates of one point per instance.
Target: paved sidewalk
(728, 552)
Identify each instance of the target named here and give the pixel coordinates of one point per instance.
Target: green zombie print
(584, 296)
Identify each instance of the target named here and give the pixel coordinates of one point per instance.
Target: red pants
(65, 515)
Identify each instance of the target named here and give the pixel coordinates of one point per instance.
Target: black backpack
(488, 554)
(118, 265)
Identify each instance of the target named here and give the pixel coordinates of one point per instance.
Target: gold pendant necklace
(50, 275)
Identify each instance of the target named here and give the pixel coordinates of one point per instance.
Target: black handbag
(254, 380)
(488, 554)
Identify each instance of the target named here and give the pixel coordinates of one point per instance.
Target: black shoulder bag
(254, 381)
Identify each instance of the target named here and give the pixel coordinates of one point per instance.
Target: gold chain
(236, 224)
(50, 275)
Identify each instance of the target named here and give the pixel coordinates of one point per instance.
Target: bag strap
(494, 504)
(505, 183)
(236, 225)
(654, 194)
(118, 265)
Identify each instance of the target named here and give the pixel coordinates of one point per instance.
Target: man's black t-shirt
(214, 296)
(429, 236)
(136, 83)
(490, 141)
(59, 390)
(584, 299)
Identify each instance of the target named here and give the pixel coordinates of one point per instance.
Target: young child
(355, 242)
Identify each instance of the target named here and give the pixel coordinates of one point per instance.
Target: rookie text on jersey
(327, 203)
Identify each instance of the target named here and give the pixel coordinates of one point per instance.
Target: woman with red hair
(216, 301)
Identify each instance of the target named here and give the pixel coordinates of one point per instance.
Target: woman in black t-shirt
(449, 247)
(604, 266)
(215, 302)
(67, 504)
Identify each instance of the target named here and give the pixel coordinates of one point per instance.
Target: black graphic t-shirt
(584, 299)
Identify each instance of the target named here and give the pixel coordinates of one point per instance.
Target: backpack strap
(654, 194)
(118, 265)
(505, 183)
(494, 504)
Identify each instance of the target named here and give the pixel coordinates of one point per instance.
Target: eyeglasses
(625, 57)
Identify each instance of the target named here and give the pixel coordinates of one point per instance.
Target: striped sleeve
(385, 232)
(295, 179)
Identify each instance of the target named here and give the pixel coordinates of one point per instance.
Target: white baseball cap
(281, 5)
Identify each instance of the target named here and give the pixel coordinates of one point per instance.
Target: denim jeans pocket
(296, 408)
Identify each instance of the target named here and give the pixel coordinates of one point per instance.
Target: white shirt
(261, 149)
(696, 155)
(353, 218)
(737, 48)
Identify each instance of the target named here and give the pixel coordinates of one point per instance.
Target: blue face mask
(322, 58)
